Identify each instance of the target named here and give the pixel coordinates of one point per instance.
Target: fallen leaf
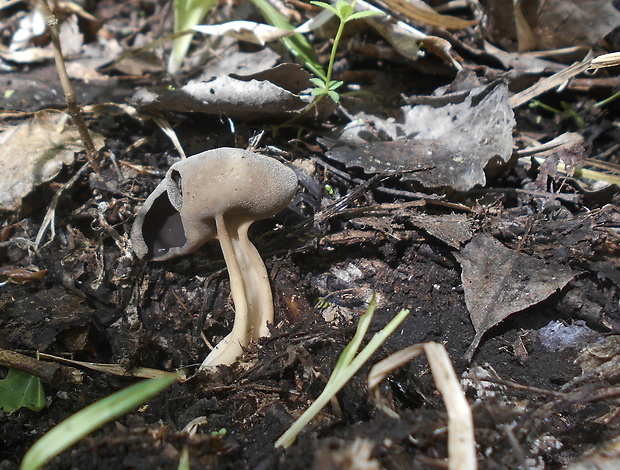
(499, 281)
(233, 97)
(570, 155)
(239, 63)
(550, 24)
(452, 229)
(454, 142)
(33, 153)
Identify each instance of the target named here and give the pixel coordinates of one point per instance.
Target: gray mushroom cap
(179, 215)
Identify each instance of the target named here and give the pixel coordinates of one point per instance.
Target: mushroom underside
(162, 228)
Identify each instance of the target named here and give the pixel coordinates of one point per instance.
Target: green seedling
(187, 14)
(82, 423)
(606, 101)
(221, 433)
(184, 460)
(21, 390)
(346, 367)
(345, 13)
(321, 304)
(569, 109)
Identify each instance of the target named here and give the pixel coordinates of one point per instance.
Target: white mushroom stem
(250, 290)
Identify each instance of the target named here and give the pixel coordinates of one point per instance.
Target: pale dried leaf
(248, 31)
(235, 98)
(33, 153)
(605, 60)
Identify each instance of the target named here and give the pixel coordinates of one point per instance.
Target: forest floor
(510, 262)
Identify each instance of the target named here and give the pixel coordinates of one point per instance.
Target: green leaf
(21, 390)
(335, 84)
(318, 92)
(334, 96)
(74, 428)
(298, 45)
(344, 11)
(365, 14)
(187, 14)
(318, 82)
(326, 6)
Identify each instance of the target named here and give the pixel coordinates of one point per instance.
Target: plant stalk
(72, 105)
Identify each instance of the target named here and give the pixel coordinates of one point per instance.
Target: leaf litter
(33, 153)
(498, 282)
(497, 241)
(453, 143)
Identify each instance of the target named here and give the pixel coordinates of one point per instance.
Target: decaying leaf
(235, 97)
(455, 142)
(33, 153)
(452, 229)
(570, 156)
(21, 275)
(499, 281)
(551, 24)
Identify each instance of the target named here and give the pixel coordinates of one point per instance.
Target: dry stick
(72, 106)
(46, 371)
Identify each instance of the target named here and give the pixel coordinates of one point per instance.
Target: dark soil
(99, 304)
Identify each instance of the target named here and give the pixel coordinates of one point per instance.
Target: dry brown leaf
(424, 14)
(550, 24)
(499, 281)
(33, 153)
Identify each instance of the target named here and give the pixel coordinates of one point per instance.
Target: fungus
(218, 194)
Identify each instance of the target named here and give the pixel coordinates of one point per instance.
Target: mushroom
(217, 194)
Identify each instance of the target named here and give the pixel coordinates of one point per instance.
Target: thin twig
(48, 220)
(72, 105)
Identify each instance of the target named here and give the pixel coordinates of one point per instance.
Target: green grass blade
(74, 428)
(298, 45)
(187, 14)
(348, 354)
(342, 377)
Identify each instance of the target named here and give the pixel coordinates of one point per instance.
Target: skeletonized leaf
(499, 281)
(455, 142)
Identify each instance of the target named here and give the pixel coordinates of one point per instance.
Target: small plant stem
(607, 100)
(332, 56)
(72, 106)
